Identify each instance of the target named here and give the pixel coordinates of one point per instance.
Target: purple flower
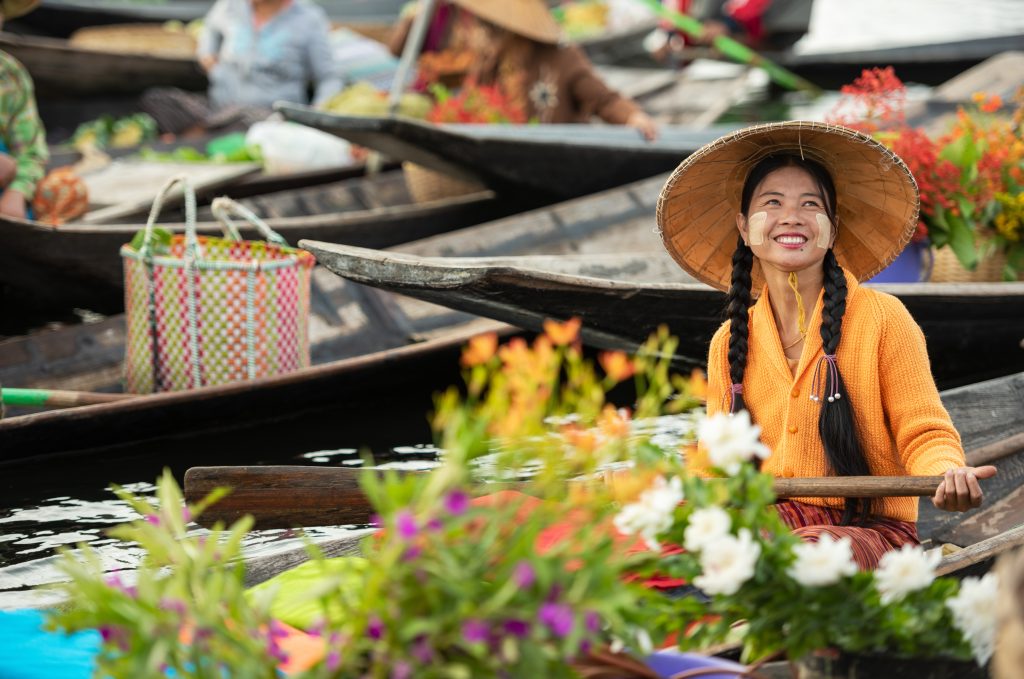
(186, 514)
(412, 553)
(277, 630)
(434, 525)
(401, 670)
(592, 621)
(376, 520)
(422, 651)
(333, 661)
(558, 618)
(475, 631)
(405, 522)
(456, 503)
(517, 628)
(375, 628)
(153, 519)
(173, 605)
(523, 574)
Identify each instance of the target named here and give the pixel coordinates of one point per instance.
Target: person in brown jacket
(518, 44)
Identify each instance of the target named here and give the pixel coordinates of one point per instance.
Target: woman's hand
(12, 204)
(8, 168)
(645, 124)
(960, 490)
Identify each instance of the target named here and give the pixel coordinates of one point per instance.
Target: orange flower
(613, 422)
(987, 103)
(562, 333)
(698, 384)
(480, 349)
(584, 440)
(616, 365)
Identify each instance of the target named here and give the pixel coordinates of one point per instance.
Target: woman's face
(787, 225)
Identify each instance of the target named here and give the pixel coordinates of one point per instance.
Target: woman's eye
(811, 203)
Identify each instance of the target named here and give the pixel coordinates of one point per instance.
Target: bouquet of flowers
(971, 177)
(786, 594)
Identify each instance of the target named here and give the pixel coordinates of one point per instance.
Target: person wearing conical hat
(518, 47)
(789, 219)
(23, 150)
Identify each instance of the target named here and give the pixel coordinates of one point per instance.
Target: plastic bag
(290, 147)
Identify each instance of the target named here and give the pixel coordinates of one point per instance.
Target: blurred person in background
(23, 150)
(254, 52)
(515, 45)
(763, 25)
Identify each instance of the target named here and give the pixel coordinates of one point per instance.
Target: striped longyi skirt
(869, 541)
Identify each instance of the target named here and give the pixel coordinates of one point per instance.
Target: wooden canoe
(351, 318)
(62, 70)
(81, 267)
(561, 161)
(985, 413)
(973, 330)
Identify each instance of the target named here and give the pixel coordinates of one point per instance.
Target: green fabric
(316, 591)
(21, 130)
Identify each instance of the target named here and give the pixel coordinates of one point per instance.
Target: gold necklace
(798, 340)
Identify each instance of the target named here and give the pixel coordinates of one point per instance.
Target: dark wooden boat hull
(973, 331)
(62, 70)
(356, 391)
(80, 265)
(559, 161)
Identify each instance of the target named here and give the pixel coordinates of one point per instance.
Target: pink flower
(375, 628)
(475, 631)
(405, 522)
(517, 628)
(456, 503)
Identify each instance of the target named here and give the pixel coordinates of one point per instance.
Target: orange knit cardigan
(901, 422)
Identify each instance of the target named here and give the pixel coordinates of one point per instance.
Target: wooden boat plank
(973, 330)
(996, 518)
(562, 160)
(128, 187)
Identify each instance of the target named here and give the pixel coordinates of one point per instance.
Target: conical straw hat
(877, 199)
(528, 18)
(12, 9)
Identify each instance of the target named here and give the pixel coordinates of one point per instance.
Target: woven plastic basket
(427, 185)
(948, 269)
(213, 310)
(135, 39)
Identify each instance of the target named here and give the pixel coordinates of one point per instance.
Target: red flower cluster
(474, 104)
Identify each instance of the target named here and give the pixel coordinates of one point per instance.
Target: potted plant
(971, 176)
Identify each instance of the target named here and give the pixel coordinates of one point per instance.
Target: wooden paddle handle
(288, 496)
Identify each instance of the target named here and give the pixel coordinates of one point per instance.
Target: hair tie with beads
(826, 380)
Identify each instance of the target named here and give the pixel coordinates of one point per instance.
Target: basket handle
(191, 241)
(225, 208)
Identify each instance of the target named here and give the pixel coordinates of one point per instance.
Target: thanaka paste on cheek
(824, 231)
(756, 227)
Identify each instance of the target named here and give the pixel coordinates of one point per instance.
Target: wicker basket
(149, 39)
(428, 185)
(948, 269)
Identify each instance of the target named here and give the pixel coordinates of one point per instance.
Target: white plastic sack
(290, 147)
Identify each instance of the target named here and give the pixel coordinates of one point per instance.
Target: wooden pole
(56, 398)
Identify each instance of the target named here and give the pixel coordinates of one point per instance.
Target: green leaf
(961, 239)
(161, 240)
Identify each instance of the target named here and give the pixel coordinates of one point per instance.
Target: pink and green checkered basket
(212, 310)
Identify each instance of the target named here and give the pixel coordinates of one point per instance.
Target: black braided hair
(836, 425)
(739, 320)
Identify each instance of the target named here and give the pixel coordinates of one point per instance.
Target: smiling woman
(844, 389)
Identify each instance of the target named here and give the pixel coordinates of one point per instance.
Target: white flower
(823, 562)
(974, 614)
(731, 440)
(727, 563)
(706, 525)
(906, 570)
(652, 514)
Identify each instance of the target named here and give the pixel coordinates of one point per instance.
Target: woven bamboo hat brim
(877, 199)
(12, 9)
(528, 18)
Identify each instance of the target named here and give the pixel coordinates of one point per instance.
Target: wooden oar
(290, 496)
(56, 398)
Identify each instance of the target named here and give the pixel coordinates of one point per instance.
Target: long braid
(739, 320)
(836, 424)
